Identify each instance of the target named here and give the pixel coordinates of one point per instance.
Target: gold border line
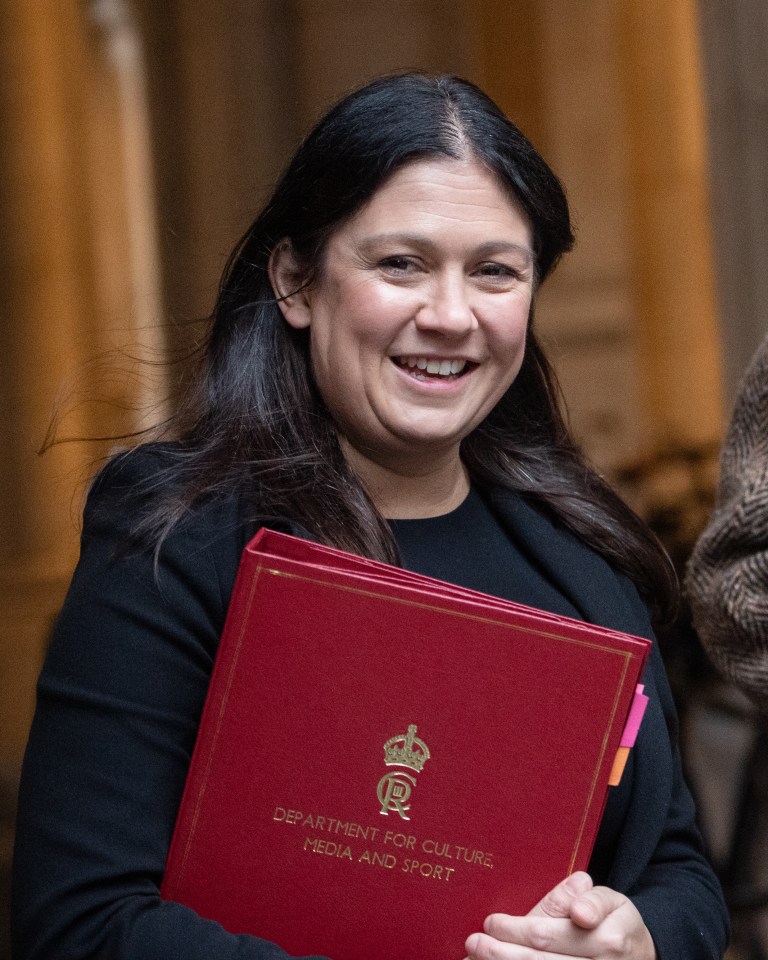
(593, 785)
(454, 613)
(626, 655)
(219, 721)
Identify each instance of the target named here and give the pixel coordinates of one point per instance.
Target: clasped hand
(575, 919)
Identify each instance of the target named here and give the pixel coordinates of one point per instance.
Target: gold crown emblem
(406, 750)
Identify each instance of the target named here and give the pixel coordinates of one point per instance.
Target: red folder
(384, 759)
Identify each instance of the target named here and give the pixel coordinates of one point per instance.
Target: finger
(546, 935)
(591, 908)
(557, 903)
(482, 947)
(619, 930)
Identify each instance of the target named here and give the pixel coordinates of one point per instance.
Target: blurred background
(137, 140)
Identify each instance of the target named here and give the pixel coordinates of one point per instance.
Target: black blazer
(659, 862)
(119, 700)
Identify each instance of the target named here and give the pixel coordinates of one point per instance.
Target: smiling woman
(373, 381)
(417, 325)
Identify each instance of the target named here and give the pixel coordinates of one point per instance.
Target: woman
(372, 381)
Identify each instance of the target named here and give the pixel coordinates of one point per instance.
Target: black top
(469, 547)
(119, 701)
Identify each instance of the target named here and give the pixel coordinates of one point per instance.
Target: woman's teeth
(434, 368)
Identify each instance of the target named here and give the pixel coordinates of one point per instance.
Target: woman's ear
(289, 285)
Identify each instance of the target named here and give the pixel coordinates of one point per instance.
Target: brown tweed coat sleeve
(727, 577)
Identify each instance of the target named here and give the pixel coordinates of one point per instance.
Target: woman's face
(418, 317)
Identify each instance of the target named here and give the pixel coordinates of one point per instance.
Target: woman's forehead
(442, 193)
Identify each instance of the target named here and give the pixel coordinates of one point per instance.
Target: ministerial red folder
(385, 759)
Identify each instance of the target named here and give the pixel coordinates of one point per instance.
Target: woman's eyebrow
(484, 249)
(504, 246)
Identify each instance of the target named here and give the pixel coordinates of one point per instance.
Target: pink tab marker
(636, 711)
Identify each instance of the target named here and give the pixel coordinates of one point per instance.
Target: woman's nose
(448, 309)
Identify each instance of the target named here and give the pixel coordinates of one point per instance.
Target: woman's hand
(575, 919)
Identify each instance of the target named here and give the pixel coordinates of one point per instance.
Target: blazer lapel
(581, 574)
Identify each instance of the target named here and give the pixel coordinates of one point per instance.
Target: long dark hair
(253, 424)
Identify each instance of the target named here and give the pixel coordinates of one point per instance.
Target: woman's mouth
(433, 368)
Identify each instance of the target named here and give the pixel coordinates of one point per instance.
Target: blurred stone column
(586, 313)
(126, 255)
(673, 263)
(45, 303)
(734, 41)
(223, 105)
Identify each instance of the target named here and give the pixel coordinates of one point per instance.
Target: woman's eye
(500, 270)
(398, 264)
